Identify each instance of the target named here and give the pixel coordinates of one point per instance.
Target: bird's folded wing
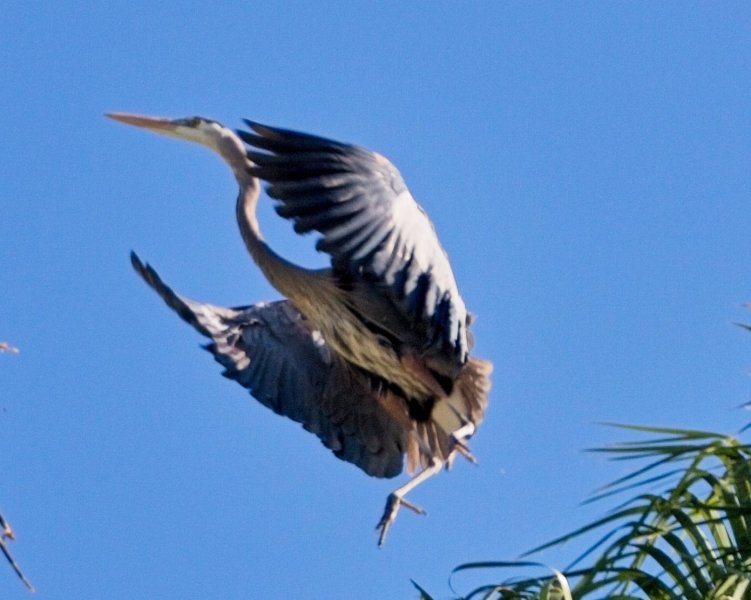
(271, 350)
(380, 240)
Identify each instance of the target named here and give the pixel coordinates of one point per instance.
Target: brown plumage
(372, 354)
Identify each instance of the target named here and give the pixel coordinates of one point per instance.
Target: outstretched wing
(271, 350)
(381, 242)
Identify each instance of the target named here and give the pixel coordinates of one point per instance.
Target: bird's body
(371, 354)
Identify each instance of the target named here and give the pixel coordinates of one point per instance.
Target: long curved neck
(285, 276)
(288, 278)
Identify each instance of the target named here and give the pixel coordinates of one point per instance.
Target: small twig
(7, 534)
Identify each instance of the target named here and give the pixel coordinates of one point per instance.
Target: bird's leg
(396, 498)
(457, 444)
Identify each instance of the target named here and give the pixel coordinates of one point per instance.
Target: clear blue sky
(587, 167)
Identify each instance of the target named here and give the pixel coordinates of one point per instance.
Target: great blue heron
(371, 354)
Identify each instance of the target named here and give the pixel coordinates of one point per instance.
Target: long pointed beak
(155, 124)
(192, 129)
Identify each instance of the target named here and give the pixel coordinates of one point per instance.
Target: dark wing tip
(257, 133)
(251, 124)
(150, 276)
(295, 139)
(264, 130)
(136, 262)
(182, 306)
(245, 136)
(144, 270)
(268, 131)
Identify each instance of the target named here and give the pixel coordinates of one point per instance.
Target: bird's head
(200, 130)
(193, 129)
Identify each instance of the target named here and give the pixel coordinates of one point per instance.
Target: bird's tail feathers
(466, 404)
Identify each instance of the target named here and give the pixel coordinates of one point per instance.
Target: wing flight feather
(379, 239)
(270, 349)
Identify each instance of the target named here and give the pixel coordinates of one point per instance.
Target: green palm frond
(691, 540)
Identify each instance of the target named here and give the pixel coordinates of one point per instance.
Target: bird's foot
(457, 446)
(393, 503)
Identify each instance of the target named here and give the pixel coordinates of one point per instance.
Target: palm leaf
(690, 540)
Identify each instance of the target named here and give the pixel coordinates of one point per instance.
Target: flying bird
(372, 353)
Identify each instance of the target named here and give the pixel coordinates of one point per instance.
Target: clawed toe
(393, 503)
(396, 498)
(463, 449)
(457, 446)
